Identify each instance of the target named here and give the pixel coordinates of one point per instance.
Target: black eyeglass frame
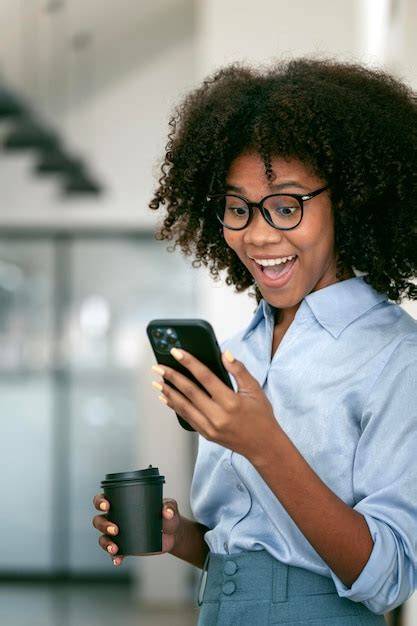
(301, 198)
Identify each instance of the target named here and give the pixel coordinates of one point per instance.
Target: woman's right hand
(170, 525)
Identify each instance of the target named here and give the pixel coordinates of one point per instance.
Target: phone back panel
(197, 337)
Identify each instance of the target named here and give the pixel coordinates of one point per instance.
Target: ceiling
(41, 40)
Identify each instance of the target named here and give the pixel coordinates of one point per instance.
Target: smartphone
(196, 337)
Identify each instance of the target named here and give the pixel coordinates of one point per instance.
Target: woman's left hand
(242, 421)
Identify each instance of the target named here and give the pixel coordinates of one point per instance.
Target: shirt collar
(340, 304)
(334, 307)
(258, 315)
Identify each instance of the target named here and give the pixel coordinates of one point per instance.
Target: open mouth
(275, 272)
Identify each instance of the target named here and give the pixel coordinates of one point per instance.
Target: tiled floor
(83, 605)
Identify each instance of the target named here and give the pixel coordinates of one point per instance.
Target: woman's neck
(284, 317)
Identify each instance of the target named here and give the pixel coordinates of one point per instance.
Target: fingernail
(103, 506)
(116, 562)
(177, 354)
(170, 513)
(229, 356)
(163, 399)
(110, 549)
(111, 530)
(157, 385)
(158, 370)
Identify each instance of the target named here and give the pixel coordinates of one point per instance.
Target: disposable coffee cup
(136, 507)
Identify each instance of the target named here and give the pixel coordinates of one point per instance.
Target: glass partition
(73, 312)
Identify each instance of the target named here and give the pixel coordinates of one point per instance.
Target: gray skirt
(254, 589)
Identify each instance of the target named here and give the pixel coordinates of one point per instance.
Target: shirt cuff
(380, 568)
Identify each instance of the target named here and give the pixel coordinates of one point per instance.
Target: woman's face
(310, 245)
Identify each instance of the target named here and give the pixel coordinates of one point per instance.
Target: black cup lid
(148, 473)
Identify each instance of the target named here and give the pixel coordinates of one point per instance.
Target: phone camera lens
(172, 340)
(162, 345)
(156, 333)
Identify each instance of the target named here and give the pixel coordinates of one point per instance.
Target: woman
(300, 182)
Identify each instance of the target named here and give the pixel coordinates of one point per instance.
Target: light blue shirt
(343, 385)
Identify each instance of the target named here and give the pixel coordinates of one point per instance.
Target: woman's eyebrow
(234, 188)
(287, 183)
(273, 187)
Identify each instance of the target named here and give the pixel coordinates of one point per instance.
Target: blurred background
(86, 89)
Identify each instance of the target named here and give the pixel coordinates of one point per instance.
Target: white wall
(259, 31)
(410, 618)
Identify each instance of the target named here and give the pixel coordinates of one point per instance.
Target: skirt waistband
(253, 589)
(249, 576)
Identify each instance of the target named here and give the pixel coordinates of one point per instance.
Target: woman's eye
(238, 211)
(286, 211)
(282, 206)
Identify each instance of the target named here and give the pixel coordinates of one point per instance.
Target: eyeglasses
(281, 211)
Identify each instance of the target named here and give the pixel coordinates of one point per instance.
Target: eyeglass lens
(282, 211)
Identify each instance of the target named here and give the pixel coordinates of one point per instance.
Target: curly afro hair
(355, 127)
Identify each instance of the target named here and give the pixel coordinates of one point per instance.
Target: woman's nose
(259, 231)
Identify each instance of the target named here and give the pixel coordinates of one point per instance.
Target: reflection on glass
(25, 305)
(103, 439)
(11, 277)
(113, 300)
(96, 411)
(73, 313)
(94, 316)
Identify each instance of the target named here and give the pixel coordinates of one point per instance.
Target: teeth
(278, 261)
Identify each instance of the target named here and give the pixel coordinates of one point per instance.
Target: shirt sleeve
(385, 484)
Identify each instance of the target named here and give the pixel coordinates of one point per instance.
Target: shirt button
(230, 568)
(226, 546)
(229, 588)
(240, 487)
